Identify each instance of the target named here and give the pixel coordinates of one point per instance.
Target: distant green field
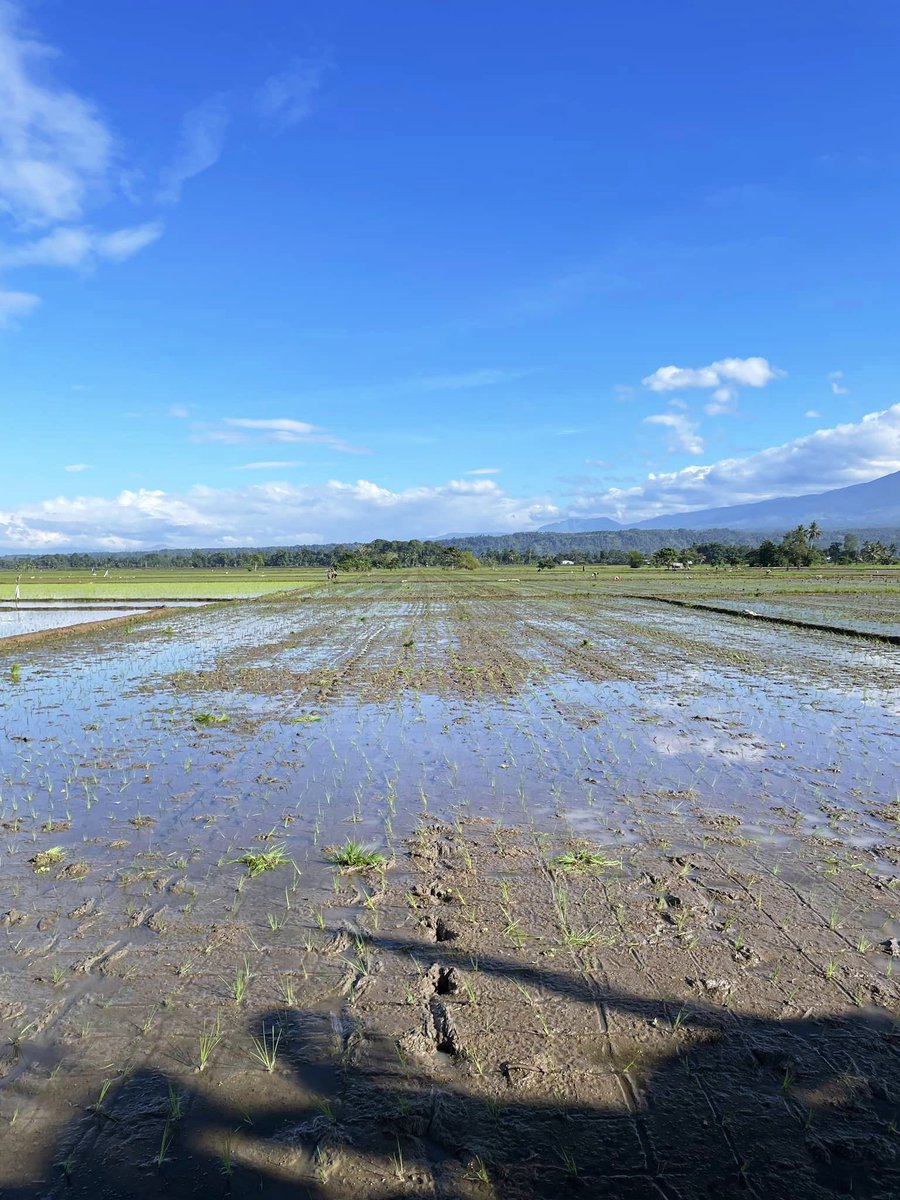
(219, 584)
(156, 585)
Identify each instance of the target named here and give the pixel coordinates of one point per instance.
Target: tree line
(799, 547)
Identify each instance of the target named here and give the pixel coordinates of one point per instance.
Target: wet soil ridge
(874, 635)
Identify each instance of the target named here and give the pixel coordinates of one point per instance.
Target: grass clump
(257, 861)
(583, 860)
(354, 856)
(45, 860)
(209, 718)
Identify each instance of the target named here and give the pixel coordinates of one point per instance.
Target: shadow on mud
(743, 1107)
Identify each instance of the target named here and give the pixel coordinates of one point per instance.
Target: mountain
(859, 506)
(580, 525)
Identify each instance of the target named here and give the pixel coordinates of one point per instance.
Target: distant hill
(859, 506)
(581, 525)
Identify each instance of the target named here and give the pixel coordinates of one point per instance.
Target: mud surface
(634, 933)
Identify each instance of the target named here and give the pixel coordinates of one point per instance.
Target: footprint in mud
(436, 1033)
(439, 930)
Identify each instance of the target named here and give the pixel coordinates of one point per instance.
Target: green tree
(635, 559)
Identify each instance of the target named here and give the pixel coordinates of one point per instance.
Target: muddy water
(411, 718)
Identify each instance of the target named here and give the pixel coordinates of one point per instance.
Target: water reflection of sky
(13, 623)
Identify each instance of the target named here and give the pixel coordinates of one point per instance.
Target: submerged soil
(634, 932)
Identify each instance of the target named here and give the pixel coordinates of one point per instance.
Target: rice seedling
(265, 1047)
(98, 1108)
(240, 982)
(165, 1144)
(209, 1040)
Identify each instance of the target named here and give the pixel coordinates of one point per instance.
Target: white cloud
(837, 387)
(483, 471)
(816, 462)
(242, 430)
(179, 411)
(813, 414)
(200, 144)
(123, 243)
(77, 467)
(16, 304)
(286, 98)
(76, 246)
(267, 514)
(283, 513)
(55, 150)
(723, 378)
(57, 157)
(683, 436)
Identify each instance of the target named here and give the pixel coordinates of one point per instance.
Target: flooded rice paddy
(630, 928)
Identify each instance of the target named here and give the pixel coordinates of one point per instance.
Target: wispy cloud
(837, 387)
(237, 431)
(273, 465)
(463, 380)
(683, 435)
(723, 378)
(286, 98)
(16, 304)
(559, 293)
(54, 147)
(200, 144)
(77, 467)
(57, 157)
(78, 246)
(483, 471)
(179, 411)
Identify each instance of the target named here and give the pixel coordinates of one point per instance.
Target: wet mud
(633, 931)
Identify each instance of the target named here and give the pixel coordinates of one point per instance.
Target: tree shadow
(805, 1109)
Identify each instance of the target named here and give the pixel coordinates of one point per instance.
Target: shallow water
(31, 620)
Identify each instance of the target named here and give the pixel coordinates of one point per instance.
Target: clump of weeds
(210, 718)
(257, 861)
(583, 860)
(45, 860)
(354, 856)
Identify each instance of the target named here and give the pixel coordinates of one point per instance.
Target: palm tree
(814, 532)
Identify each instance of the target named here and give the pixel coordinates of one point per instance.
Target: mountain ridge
(874, 503)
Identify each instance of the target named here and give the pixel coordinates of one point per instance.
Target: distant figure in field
(106, 573)
(18, 590)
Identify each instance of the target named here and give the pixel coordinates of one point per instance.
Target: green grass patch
(583, 860)
(208, 718)
(257, 861)
(354, 856)
(45, 860)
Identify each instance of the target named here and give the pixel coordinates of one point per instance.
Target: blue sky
(331, 271)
